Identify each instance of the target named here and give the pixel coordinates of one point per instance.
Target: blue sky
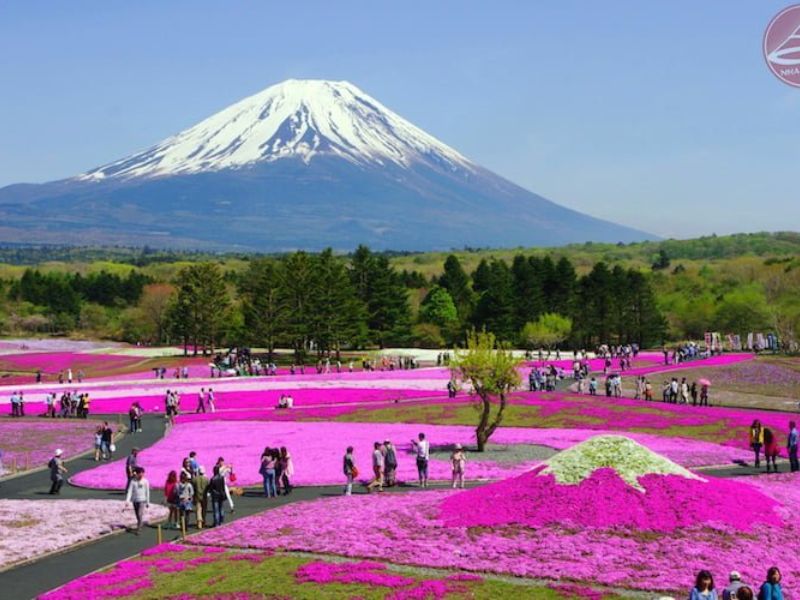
(658, 115)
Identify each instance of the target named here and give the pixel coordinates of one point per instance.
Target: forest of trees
(324, 302)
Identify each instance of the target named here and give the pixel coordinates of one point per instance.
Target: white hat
(735, 576)
(59, 452)
(458, 447)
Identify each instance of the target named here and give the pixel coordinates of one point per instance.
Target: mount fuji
(302, 164)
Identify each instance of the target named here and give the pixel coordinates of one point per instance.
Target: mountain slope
(302, 164)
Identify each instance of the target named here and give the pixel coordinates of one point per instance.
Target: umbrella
(704, 382)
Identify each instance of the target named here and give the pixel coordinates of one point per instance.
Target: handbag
(232, 477)
(354, 472)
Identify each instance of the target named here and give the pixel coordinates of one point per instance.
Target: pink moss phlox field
(317, 450)
(53, 362)
(604, 501)
(31, 528)
(407, 529)
(365, 572)
(73, 436)
(624, 414)
(376, 574)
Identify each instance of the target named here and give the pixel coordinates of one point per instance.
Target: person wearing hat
(139, 495)
(730, 592)
(57, 470)
(200, 484)
(131, 464)
(390, 463)
(458, 460)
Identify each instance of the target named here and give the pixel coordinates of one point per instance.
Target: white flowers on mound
(628, 458)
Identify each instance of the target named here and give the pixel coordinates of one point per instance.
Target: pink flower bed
(53, 362)
(605, 501)
(253, 403)
(32, 442)
(408, 529)
(731, 425)
(317, 450)
(32, 528)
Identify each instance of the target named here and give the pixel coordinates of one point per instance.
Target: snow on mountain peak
(292, 119)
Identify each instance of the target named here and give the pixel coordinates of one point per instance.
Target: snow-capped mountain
(302, 164)
(294, 119)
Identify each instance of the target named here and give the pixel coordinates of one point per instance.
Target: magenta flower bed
(32, 441)
(252, 403)
(53, 362)
(317, 450)
(407, 529)
(731, 424)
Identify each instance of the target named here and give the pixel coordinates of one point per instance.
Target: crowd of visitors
(385, 463)
(770, 589)
(189, 490)
(763, 438)
(276, 470)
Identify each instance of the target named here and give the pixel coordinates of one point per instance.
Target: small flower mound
(609, 482)
(629, 459)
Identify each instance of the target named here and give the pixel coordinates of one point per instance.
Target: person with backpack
(57, 471)
(757, 440)
(389, 463)
(267, 471)
(131, 465)
(377, 468)
(732, 591)
(770, 449)
(200, 485)
(218, 492)
(185, 493)
(350, 470)
(139, 496)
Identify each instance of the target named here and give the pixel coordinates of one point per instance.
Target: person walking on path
(423, 450)
(703, 587)
(287, 470)
(200, 485)
(138, 495)
(57, 471)
(106, 441)
(201, 401)
(791, 446)
(377, 468)
(757, 440)
(770, 449)
(131, 465)
(218, 492)
(458, 460)
(389, 464)
(771, 588)
(350, 470)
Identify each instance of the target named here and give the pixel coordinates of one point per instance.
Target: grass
(273, 576)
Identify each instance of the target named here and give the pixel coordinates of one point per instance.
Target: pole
(159, 535)
(183, 527)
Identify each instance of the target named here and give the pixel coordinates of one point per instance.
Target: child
(458, 460)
